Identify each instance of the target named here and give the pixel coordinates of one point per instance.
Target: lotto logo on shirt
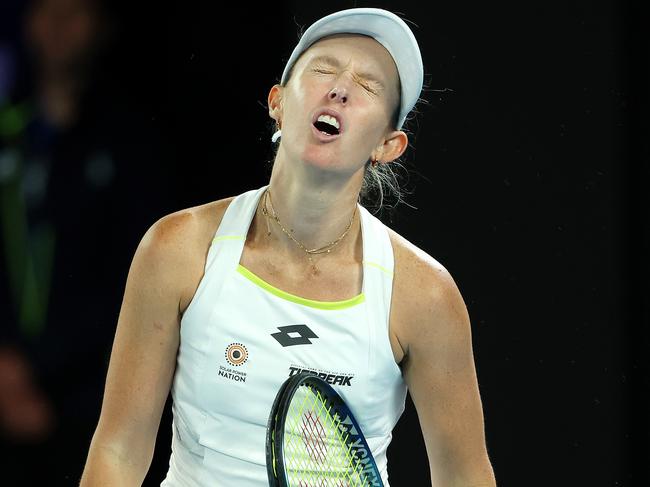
(291, 335)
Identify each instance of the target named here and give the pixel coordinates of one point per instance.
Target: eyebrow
(332, 61)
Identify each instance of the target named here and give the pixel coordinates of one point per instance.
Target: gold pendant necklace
(325, 249)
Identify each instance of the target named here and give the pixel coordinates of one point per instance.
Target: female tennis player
(226, 300)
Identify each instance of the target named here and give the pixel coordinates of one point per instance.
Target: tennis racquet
(313, 440)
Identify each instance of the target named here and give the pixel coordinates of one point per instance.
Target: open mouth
(328, 125)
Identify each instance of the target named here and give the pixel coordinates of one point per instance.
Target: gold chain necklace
(320, 250)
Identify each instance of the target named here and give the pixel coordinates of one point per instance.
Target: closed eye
(369, 89)
(365, 85)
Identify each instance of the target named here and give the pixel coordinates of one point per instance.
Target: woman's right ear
(275, 102)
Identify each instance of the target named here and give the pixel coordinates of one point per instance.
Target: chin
(322, 158)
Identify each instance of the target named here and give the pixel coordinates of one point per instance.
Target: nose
(338, 94)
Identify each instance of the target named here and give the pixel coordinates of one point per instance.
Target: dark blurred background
(528, 172)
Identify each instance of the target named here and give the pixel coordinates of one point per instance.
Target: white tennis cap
(387, 29)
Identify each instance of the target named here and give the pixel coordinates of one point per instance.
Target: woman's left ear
(393, 147)
(275, 103)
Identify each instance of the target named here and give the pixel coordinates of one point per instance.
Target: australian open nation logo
(236, 355)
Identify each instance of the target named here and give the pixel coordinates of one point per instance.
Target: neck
(316, 206)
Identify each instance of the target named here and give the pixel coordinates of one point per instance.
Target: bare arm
(143, 360)
(440, 373)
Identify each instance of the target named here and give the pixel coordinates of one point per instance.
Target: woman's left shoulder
(426, 304)
(419, 278)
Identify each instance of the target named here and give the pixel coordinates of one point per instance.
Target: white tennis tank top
(241, 338)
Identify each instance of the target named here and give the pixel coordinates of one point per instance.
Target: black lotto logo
(294, 335)
(236, 354)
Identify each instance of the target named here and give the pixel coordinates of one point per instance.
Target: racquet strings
(317, 452)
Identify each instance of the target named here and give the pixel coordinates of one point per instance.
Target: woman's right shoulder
(177, 245)
(187, 228)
